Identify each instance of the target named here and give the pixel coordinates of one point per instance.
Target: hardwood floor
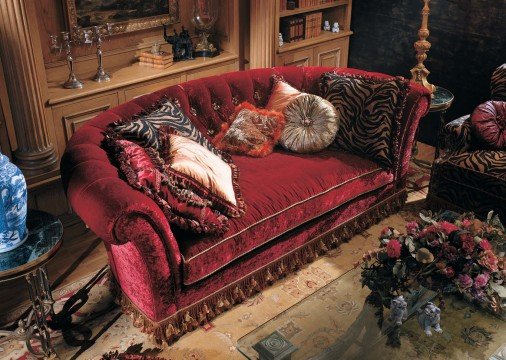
(82, 254)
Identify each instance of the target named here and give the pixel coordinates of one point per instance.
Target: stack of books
(312, 25)
(292, 29)
(299, 4)
(162, 60)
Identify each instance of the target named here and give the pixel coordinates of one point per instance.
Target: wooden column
(23, 64)
(262, 33)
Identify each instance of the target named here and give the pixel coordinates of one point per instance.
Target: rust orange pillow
(282, 94)
(253, 131)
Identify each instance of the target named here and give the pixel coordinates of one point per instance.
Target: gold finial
(419, 73)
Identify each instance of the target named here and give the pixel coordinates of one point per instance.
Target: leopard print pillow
(369, 110)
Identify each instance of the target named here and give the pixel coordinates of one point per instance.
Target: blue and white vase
(13, 207)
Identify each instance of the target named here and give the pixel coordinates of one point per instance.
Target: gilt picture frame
(122, 16)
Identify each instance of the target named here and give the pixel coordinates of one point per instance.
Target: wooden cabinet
(135, 91)
(70, 117)
(296, 58)
(332, 53)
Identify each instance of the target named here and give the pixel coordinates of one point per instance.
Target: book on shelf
(292, 28)
(162, 55)
(155, 66)
(155, 61)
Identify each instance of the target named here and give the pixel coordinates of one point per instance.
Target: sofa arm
(417, 106)
(457, 135)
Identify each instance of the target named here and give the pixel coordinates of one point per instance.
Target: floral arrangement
(446, 252)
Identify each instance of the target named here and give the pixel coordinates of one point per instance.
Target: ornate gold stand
(419, 72)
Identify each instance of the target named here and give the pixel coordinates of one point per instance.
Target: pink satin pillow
(488, 123)
(281, 95)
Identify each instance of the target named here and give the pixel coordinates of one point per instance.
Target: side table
(29, 260)
(442, 100)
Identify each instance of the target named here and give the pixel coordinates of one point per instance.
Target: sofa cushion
(253, 131)
(311, 124)
(489, 124)
(369, 111)
(282, 191)
(282, 94)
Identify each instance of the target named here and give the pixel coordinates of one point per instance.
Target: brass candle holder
(420, 73)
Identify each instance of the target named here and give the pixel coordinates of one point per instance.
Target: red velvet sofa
(299, 206)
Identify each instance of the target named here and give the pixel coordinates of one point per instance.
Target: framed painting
(122, 16)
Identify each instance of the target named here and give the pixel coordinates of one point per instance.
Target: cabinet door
(139, 90)
(333, 53)
(68, 118)
(296, 58)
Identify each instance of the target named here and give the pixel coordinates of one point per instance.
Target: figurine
(429, 317)
(335, 28)
(326, 25)
(280, 39)
(398, 310)
(182, 46)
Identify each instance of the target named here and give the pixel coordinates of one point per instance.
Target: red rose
(485, 245)
(393, 249)
(447, 228)
(468, 244)
(448, 272)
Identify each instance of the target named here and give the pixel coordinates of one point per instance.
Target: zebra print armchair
(466, 176)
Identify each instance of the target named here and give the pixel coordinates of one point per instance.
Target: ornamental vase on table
(13, 207)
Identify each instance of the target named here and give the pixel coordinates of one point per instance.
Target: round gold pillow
(311, 124)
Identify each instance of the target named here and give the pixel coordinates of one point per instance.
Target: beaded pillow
(311, 124)
(369, 111)
(253, 131)
(144, 171)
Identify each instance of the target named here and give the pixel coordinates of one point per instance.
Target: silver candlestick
(98, 34)
(72, 82)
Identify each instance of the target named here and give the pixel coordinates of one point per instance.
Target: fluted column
(262, 33)
(23, 64)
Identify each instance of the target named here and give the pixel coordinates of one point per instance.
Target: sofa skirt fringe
(187, 319)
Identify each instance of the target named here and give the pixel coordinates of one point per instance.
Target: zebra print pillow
(498, 83)
(369, 110)
(143, 130)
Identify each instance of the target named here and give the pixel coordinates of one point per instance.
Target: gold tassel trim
(183, 321)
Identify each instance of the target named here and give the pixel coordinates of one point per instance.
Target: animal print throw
(369, 110)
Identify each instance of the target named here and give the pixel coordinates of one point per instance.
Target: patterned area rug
(99, 327)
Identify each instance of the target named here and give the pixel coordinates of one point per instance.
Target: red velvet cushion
(282, 191)
(489, 124)
(143, 170)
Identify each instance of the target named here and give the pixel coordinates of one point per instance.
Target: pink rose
(485, 245)
(481, 280)
(468, 244)
(466, 223)
(448, 272)
(447, 228)
(464, 281)
(488, 260)
(412, 227)
(393, 249)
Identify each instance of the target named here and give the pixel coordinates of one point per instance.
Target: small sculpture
(326, 25)
(335, 28)
(182, 46)
(280, 39)
(398, 310)
(430, 317)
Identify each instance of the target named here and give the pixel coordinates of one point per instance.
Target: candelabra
(98, 35)
(419, 73)
(56, 47)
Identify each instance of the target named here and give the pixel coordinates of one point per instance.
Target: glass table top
(441, 100)
(44, 238)
(339, 321)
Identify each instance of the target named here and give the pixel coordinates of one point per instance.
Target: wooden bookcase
(327, 49)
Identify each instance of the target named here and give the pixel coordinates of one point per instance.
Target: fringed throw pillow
(192, 166)
(369, 110)
(253, 131)
(143, 129)
(144, 170)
